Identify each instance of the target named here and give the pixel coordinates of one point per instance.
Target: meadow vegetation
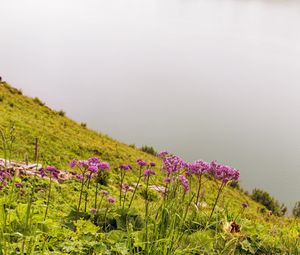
(122, 200)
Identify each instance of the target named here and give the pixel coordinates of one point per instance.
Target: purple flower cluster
(104, 193)
(125, 187)
(223, 173)
(111, 200)
(125, 167)
(93, 165)
(173, 164)
(149, 172)
(51, 171)
(93, 169)
(103, 166)
(79, 177)
(198, 167)
(184, 182)
(94, 211)
(5, 177)
(141, 163)
(163, 154)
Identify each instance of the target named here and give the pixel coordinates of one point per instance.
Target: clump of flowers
(173, 164)
(51, 172)
(88, 169)
(224, 174)
(104, 194)
(198, 168)
(142, 165)
(5, 178)
(163, 154)
(123, 169)
(147, 174)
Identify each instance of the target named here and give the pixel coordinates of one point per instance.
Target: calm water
(202, 78)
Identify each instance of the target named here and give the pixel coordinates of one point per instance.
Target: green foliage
(84, 125)
(38, 101)
(296, 210)
(61, 113)
(149, 149)
(235, 185)
(269, 202)
(132, 146)
(149, 195)
(103, 178)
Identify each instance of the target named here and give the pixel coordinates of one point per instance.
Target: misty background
(204, 79)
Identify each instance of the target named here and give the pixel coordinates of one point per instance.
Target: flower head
(167, 180)
(173, 164)
(163, 154)
(93, 161)
(141, 162)
(223, 172)
(111, 200)
(104, 193)
(93, 211)
(50, 171)
(19, 184)
(83, 164)
(198, 167)
(79, 177)
(103, 166)
(149, 172)
(125, 167)
(184, 182)
(245, 205)
(93, 169)
(73, 163)
(235, 228)
(125, 187)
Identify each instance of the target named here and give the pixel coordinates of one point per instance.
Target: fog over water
(210, 79)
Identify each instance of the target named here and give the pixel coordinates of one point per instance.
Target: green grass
(60, 140)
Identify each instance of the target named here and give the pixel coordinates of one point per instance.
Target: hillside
(61, 140)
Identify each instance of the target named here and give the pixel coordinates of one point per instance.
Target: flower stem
(96, 195)
(86, 193)
(216, 201)
(80, 197)
(121, 184)
(99, 205)
(147, 213)
(48, 199)
(136, 187)
(199, 189)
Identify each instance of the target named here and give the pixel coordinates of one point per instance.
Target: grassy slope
(62, 139)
